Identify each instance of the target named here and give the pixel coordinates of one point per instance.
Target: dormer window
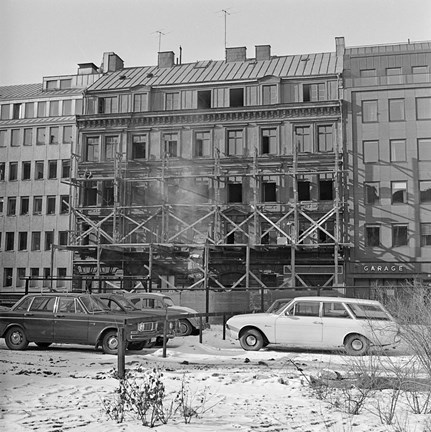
(269, 94)
(204, 99)
(107, 105)
(236, 97)
(172, 101)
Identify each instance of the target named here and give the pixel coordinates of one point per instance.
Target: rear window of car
(335, 310)
(366, 311)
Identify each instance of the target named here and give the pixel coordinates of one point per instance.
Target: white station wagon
(317, 323)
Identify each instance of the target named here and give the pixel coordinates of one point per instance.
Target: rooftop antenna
(160, 33)
(226, 13)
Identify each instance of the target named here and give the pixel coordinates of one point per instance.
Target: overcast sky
(50, 37)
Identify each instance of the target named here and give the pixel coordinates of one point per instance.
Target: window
(42, 304)
(2, 138)
(34, 273)
(1, 206)
(424, 149)
(313, 92)
(308, 308)
(17, 111)
(11, 206)
(369, 111)
(49, 239)
(303, 139)
(29, 110)
(65, 84)
(204, 99)
(38, 170)
(54, 109)
(396, 110)
(65, 168)
(234, 192)
(139, 146)
(399, 192)
(325, 139)
(372, 235)
(50, 205)
(425, 191)
(235, 142)
(5, 112)
(107, 105)
(399, 235)
(28, 137)
(202, 144)
(26, 170)
(53, 135)
(268, 141)
(67, 134)
(398, 150)
(426, 234)
(41, 136)
(51, 85)
(172, 101)
(37, 205)
(236, 97)
(2, 170)
(15, 138)
(372, 192)
(22, 241)
(90, 193)
(35, 241)
(419, 70)
(269, 191)
(394, 75)
(7, 277)
(423, 108)
(304, 187)
(10, 241)
(78, 106)
(63, 238)
(108, 193)
(52, 169)
(25, 205)
(171, 144)
(326, 188)
(13, 171)
(371, 151)
(64, 204)
(140, 102)
(269, 94)
(67, 108)
(41, 109)
(366, 73)
(20, 282)
(92, 151)
(110, 147)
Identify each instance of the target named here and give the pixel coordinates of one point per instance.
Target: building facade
(388, 141)
(37, 138)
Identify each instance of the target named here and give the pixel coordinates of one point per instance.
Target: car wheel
(185, 328)
(16, 339)
(136, 346)
(356, 345)
(43, 344)
(251, 340)
(110, 342)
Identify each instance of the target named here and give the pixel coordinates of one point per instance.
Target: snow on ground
(62, 388)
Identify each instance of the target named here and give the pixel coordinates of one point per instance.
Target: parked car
(145, 300)
(119, 303)
(71, 318)
(317, 323)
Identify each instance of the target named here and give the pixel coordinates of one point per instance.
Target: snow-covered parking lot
(62, 388)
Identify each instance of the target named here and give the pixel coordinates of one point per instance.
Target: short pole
(200, 329)
(224, 326)
(121, 355)
(165, 332)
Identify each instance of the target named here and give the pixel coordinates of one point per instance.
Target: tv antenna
(225, 13)
(160, 33)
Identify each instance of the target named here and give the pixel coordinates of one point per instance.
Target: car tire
(356, 345)
(110, 342)
(251, 340)
(136, 346)
(16, 339)
(185, 328)
(43, 344)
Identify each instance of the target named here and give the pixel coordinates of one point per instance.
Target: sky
(50, 37)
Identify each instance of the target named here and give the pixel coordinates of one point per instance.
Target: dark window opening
(108, 194)
(90, 194)
(303, 190)
(204, 99)
(236, 97)
(326, 190)
(234, 192)
(306, 93)
(269, 192)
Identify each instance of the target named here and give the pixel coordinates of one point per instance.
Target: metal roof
(306, 65)
(32, 91)
(398, 48)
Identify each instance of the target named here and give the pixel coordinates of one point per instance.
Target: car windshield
(368, 311)
(168, 301)
(124, 303)
(277, 306)
(93, 304)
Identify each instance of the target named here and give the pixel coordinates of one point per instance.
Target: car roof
(56, 294)
(145, 294)
(337, 299)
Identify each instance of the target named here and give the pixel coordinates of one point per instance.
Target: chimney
(339, 46)
(263, 52)
(236, 54)
(111, 62)
(87, 68)
(166, 59)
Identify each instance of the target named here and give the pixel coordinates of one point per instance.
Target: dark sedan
(71, 318)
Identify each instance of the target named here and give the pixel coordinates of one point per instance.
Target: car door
(337, 322)
(300, 325)
(70, 322)
(38, 320)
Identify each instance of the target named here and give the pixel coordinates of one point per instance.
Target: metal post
(200, 329)
(165, 332)
(224, 326)
(121, 355)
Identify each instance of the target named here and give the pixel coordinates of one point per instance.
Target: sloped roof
(32, 91)
(220, 70)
